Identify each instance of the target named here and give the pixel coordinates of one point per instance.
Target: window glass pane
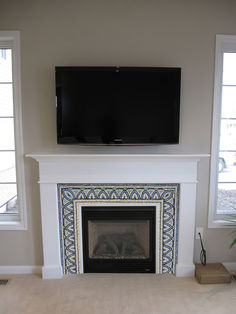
(6, 134)
(227, 168)
(228, 102)
(8, 198)
(228, 135)
(8, 161)
(7, 167)
(6, 100)
(229, 69)
(226, 202)
(227, 155)
(5, 65)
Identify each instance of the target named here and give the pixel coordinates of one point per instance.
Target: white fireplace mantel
(105, 168)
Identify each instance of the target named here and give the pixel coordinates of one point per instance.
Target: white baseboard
(185, 270)
(17, 270)
(230, 266)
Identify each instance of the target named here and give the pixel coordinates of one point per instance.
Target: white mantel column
(52, 268)
(187, 204)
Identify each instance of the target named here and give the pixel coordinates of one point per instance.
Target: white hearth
(59, 169)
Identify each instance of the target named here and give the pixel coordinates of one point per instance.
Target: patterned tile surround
(70, 195)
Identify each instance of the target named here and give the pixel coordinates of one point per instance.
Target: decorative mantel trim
(71, 194)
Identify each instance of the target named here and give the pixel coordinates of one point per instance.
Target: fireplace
(70, 181)
(119, 239)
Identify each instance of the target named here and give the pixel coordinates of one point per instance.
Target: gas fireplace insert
(119, 239)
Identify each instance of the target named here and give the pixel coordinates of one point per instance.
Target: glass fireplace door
(119, 239)
(124, 239)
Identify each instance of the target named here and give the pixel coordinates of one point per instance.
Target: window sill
(219, 223)
(12, 225)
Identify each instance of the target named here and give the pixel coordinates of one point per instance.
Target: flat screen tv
(117, 105)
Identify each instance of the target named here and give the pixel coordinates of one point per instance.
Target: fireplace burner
(119, 239)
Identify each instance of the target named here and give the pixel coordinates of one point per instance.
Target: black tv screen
(117, 105)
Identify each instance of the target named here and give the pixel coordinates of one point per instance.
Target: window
(223, 154)
(12, 193)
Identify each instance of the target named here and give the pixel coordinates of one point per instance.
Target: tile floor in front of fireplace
(115, 293)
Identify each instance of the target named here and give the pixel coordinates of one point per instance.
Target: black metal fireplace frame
(93, 265)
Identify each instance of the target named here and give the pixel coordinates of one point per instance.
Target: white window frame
(224, 43)
(11, 39)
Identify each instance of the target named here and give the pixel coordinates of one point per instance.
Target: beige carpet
(115, 294)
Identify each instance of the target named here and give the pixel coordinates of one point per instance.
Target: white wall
(126, 33)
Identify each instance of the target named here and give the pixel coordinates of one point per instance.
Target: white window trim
(19, 221)
(224, 43)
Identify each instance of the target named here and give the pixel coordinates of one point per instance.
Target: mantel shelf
(56, 156)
